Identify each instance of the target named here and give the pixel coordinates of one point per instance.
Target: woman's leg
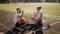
(39, 32)
(40, 23)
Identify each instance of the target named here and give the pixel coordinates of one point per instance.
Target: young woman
(37, 19)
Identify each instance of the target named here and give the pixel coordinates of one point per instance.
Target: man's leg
(17, 25)
(16, 30)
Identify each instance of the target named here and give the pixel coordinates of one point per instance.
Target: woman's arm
(40, 18)
(34, 17)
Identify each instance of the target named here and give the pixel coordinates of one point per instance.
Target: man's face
(19, 10)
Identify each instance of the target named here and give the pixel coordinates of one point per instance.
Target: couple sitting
(36, 19)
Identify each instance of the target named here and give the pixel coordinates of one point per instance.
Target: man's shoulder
(18, 14)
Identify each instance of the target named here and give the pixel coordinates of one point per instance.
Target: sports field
(51, 12)
(48, 9)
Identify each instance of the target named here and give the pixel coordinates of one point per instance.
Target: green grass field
(51, 11)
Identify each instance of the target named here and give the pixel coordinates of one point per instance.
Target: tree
(43, 1)
(51, 1)
(3, 1)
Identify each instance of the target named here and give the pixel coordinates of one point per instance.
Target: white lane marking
(7, 28)
(54, 23)
(55, 31)
(50, 15)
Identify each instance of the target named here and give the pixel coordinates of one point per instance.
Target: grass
(52, 9)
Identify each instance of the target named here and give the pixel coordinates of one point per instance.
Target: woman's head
(18, 10)
(38, 8)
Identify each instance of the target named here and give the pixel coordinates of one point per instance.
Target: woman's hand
(32, 17)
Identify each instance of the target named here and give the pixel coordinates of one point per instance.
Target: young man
(37, 17)
(38, 20)
(18, 17)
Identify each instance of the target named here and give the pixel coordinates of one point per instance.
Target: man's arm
(22, 13)
(14, 18)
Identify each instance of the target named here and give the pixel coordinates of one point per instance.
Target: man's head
(38, 8)
(18, 10)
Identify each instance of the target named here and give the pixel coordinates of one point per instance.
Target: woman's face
(38, 9)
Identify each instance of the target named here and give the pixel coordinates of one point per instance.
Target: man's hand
(22, 12)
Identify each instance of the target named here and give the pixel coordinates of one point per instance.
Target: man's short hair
(17, 8)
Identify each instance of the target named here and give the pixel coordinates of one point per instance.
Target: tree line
(15, 1)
